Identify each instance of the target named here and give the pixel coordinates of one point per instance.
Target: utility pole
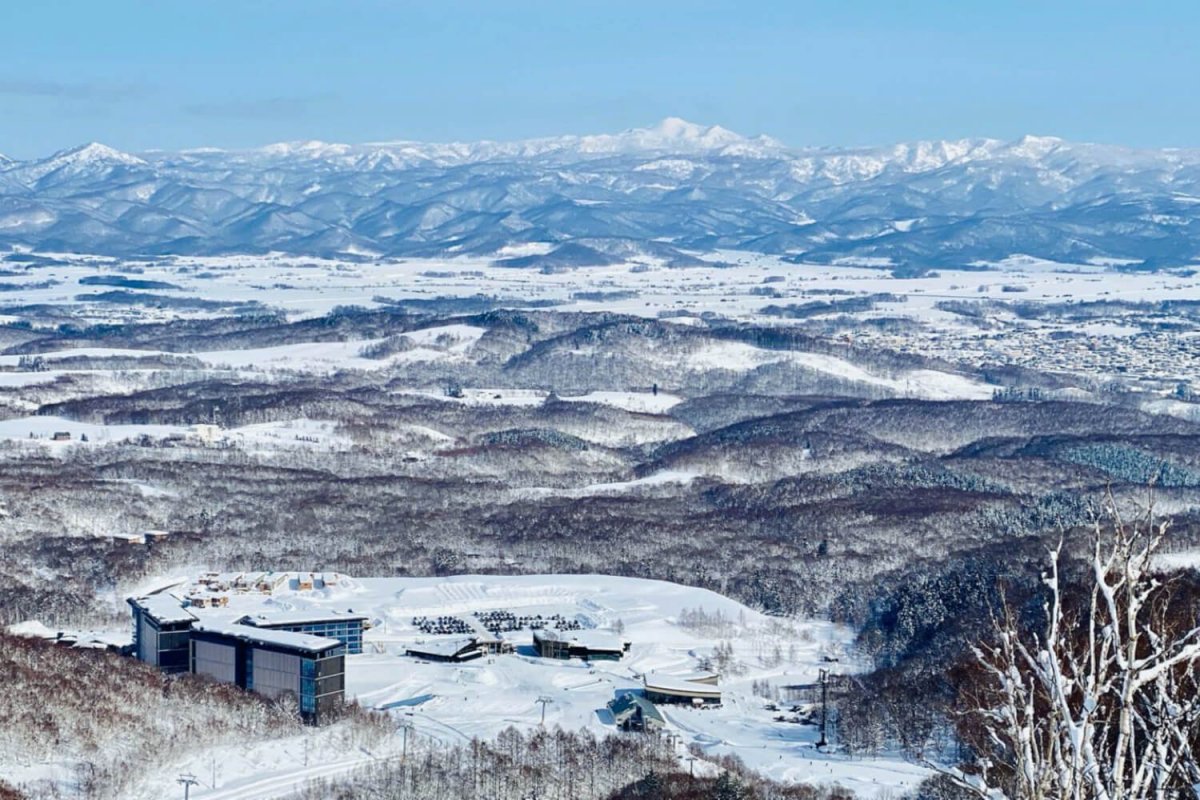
(544, 700)
(405, 725)
(188, 782)
(824, 707)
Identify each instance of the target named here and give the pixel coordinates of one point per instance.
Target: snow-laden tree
(1102, 702)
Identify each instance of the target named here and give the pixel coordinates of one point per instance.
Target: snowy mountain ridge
(665, 192)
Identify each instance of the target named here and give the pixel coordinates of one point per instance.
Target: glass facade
(348, 632)
(276, 670)
(163, 646)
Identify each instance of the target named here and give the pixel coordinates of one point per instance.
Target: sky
(168, 75)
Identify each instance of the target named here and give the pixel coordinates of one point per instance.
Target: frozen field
(448, 702)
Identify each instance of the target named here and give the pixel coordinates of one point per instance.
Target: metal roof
(666, 684)
(629, 701)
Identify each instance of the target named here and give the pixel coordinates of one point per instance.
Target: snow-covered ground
(930, 384)
(456, 702)
(641, 402)
(737, 285)
(39, 431)
(305, 287)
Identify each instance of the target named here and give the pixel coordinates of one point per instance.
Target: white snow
(640, 402)
(931, 384)
(459, 337)
(42, 428)
(454, 702)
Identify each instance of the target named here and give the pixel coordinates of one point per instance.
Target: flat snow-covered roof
(311, 616)
(163, 608)
(443, 648)
(672, 685)
(294, 641)
(592, 639)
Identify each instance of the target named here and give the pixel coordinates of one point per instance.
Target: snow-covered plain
(736, 285)
(456, 702)
(314, 286)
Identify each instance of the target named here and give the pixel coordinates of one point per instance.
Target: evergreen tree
(728, 787)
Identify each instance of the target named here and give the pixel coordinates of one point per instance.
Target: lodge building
(632, 712)
(345, 626)
(274, 656)
(161, 631)
(274, 664)
(588, 645)
(689, 690)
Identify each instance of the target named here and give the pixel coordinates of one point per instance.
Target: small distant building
(632, 712)
(458, 649)
(248, 581)
(668, 689)
(219, 581)
(155, 536)
(127, 538)
(492, 643)
(345, 626)
(161, 631)
(61, 436)
(271, 582)
(206, 433)
(589, 645)
(274, 664)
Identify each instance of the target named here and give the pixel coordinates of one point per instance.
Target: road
(281, 785)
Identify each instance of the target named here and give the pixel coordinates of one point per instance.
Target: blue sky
(140, 75)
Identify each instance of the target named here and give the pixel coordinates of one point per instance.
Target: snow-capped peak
(306, 149)
(674, 128)
(86, 160)
(91, 153)
(676, 133)
(1035, 147)
(672, 135)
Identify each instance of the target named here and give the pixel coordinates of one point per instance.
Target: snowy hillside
(668, 190)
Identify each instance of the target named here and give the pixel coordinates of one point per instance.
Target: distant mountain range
(662, 194)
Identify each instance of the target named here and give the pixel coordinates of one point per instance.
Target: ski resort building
(490, 642)
(668, 689)
(345, 626)
(274, 663)
(457, 649)
(632, 712)
(161, 630)
(588, 645)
